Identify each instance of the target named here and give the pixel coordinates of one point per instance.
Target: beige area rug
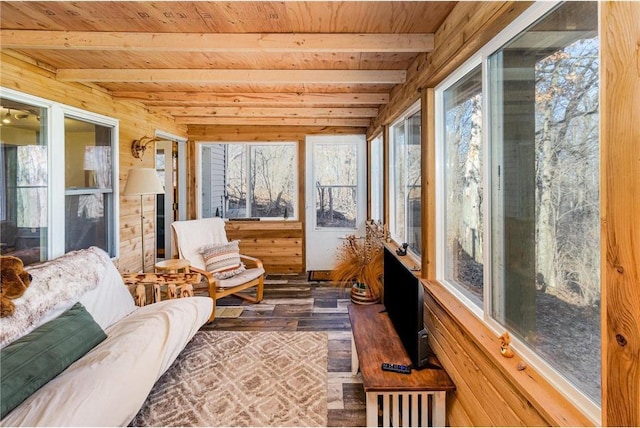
(225, 378)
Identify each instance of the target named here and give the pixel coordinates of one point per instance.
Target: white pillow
(110, 301)
(107, 302)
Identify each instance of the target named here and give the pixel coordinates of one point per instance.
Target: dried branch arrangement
(360, 259)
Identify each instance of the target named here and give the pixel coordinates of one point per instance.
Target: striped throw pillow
(223, 260)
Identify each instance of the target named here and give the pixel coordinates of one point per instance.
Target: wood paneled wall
(620, 205)
(490, 390)
(468, 27)
(21, 74)
(279, 244)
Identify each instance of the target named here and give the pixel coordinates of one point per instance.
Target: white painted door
(336, 195)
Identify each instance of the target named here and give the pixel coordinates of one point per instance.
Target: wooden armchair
(191, 236)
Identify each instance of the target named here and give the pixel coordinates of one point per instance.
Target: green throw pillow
(35, 359)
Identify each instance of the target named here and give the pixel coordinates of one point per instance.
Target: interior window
(37, 222)
(88, 185)
(24, 179)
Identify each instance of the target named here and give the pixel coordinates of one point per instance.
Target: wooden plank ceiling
(327, 63)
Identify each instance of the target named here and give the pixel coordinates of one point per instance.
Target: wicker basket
(362, 294)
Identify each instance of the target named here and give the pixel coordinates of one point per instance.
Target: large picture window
(249, 180)
(56, 179)
(405, 169)
(527, 260)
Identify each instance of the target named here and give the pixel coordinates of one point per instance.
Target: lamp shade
(142, 181)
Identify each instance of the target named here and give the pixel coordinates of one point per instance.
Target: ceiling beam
(217, 42)
(271, 121)
(256, 98)
(231, 76)
(294, 112)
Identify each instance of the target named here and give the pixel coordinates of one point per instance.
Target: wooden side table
(173, 266)
(173, 273)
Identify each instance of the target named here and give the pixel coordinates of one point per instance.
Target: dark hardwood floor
(293, 303)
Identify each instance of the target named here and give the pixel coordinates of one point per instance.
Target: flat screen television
(404, 302)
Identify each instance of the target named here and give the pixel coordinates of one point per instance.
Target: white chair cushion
(240, 279)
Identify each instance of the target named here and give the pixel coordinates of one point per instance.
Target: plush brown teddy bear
(14, 280)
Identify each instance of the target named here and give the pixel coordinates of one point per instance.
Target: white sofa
(109, 384)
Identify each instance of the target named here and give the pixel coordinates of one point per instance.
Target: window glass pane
(377, 175)
(246, 180)
(215, 192)
(23, 181)
(405, 193)
(546, 245)
(88, 180)
(87, 155)
(272, 183)
(398, 180)
(413, 185)
(336, 174)
(161, 164)
(86, 222)
(464, 260)
(236, 178)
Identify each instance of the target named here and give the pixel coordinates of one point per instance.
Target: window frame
(376, 190)
(247, 145)
(440, 173)
(481, 57)
(415, 108)
(56, 191)
(111, 194)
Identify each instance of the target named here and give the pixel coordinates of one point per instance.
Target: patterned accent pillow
(223, 260)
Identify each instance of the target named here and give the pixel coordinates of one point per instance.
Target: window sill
(411, 261)
(259, 219)
(547, 401)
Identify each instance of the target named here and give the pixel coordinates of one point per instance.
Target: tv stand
(394, 399)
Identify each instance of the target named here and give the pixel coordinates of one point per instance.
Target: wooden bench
(394, 399)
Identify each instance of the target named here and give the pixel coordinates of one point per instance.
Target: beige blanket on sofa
(57, 283)
(108, 385)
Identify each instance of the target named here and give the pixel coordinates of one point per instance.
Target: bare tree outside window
(336, 178)
(258, 180)
(236, 180)
(405, 187)
(541, 154)
(545, 234)
(464, 186)
(272, 180)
